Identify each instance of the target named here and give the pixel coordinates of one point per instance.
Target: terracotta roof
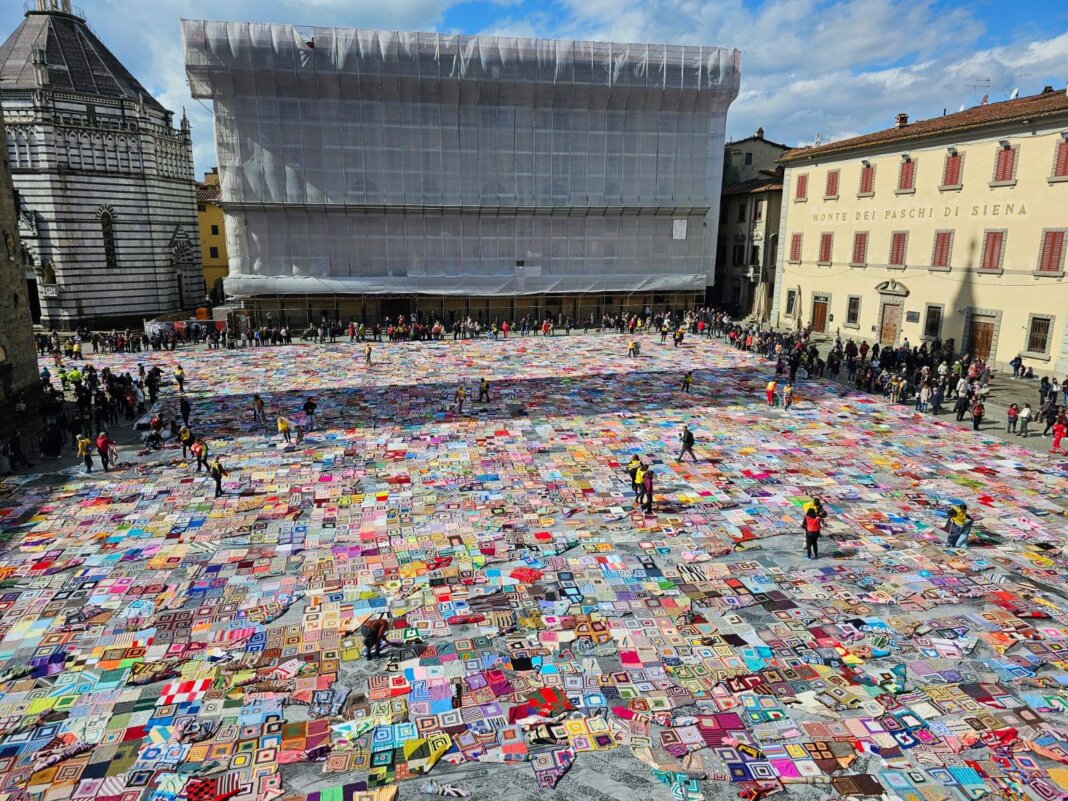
(1045, 104)
(77, 61)
(754, 186)
(208, 193)
(757, 139)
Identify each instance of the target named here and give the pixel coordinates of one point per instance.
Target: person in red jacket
(812, 525)
(1060, 430)
(103, 447)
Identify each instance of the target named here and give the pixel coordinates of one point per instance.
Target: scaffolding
(372, 162)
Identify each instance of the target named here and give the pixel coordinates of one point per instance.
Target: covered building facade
(104, 179)
(369, 172)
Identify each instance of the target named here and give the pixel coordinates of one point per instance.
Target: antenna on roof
(1020, 75)
(980, 83)
(819, 138)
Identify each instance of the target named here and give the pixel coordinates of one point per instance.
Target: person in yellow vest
(367, 354)
(85, 452)
(632, 349)
(483, 390)
(179, 376)
(639, 482)
(459, 398)
(185, 436)
(632, 470)
(217, 471)
(770, 391)
(283, 428)
(687, 381)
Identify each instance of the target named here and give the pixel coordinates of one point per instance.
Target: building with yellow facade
(953, 227)
(212, 234)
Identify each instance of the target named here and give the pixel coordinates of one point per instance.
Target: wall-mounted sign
(678, 229)
(49, 291)
(912, 317)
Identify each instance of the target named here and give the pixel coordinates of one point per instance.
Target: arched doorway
(891, 311)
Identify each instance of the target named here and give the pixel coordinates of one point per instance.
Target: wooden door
(981, 338)
(889, 324)
(819, 316)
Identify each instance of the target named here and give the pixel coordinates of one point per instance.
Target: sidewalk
(1003, 392)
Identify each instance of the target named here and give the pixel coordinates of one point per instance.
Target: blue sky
(833, 68)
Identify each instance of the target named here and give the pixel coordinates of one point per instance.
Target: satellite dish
(1015, 93)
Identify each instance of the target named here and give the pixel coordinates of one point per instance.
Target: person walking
(184, 409)
(85, 451)
(769, 391)
(1060, 430)
(483, 391)
(1012, 415)
(179, 376)
(185, 436)
(812, 524)
(458, 398)
(259, 414)
(632, 470)
(283, 428)
(367, 354)
(687, 381)
(787, 396)
(309, 412)
(103, 449)
(217, 472)
(200, 453)
(977, 414)
(647, 490)
(1049, 414)
(1025, 420)
(688, 440)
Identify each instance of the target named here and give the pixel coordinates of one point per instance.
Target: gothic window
(107, 229)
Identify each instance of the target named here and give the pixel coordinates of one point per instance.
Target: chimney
(902, 120)
(1047, 89)
(759, 133)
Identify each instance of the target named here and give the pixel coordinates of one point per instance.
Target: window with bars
(1038, 334)
(1051, 255)
(867, 180)
(943, 245)
(801, 192)
(898, 244)
(1005, 165)
(1060, 159)
(795, 247)
(952, 171)
(860, 249)
(853, 310)
(932, 323)
(906, 177)
(826, 247)
(831, 190)
(993, 251)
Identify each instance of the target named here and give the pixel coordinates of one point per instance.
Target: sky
(810, 68)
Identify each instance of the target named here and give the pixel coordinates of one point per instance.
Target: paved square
(160, 644)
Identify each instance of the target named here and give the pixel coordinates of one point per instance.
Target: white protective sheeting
(372, 161)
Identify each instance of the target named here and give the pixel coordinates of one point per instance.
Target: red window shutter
(992, 246)
(860, 248)
(897, 249)
(795, 247)
(1052, 252)
(832, 183)
(1060, 164)
(941, 249)
(1006, 164)
(867, 179)
(951, 173)
(802, 187)
(906, 176)
(826, 242)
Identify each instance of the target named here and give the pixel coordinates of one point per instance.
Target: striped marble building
(104, 180)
